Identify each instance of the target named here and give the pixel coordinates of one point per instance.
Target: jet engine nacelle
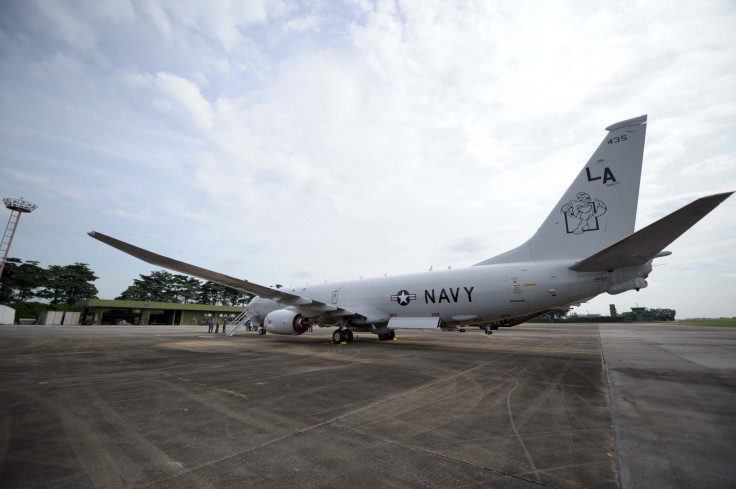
(285, 321)
(634, 283)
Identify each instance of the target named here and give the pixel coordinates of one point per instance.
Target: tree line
(22, 282)
(162, 286)
(65, 285)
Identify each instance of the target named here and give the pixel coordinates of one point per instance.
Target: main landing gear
(342, 336)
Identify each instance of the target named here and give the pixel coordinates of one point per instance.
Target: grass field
(708, 322)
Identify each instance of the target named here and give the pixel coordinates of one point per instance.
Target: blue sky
(291, 142)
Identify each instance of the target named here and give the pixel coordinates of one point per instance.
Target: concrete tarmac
(551, 405)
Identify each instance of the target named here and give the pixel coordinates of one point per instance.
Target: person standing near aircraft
(209, 324)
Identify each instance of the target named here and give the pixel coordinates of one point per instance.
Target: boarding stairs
(239, 321)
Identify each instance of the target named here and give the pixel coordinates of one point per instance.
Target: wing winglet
(648, 242)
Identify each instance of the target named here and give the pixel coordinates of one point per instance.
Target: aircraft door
(515, 281)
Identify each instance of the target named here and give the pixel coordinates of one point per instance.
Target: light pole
(17, 207)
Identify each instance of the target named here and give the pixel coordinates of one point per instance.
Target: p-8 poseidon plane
(585, 247)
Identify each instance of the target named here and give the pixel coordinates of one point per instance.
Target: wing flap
(648, 242)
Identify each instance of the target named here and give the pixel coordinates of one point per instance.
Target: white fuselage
(466, 295)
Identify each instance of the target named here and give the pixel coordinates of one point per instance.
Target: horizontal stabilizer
(646, 243)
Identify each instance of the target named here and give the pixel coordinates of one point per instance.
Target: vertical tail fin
(599, 208)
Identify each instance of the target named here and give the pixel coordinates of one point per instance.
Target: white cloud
(181, 100)
(300, 24)
(221, 21)
(186, 95)
(78, 23)
(722, 163)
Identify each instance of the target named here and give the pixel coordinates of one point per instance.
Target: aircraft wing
(282, 297)
(646, 243)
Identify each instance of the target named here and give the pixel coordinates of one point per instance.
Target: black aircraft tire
(338, 336)
(348, 336)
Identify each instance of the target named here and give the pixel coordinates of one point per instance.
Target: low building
(99, 312)
(642, 315)
(7, 315)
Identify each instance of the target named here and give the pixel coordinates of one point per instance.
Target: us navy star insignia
(403, 297)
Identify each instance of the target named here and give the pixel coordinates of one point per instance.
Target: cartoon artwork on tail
(582, 214)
